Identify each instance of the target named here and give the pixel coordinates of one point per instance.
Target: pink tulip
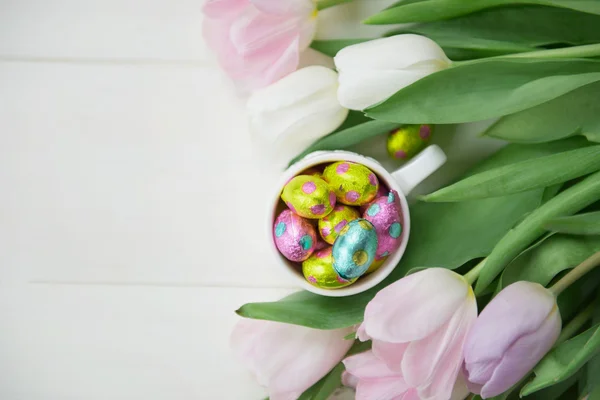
(418, 326)
(287, 359)
(514, 331)
(257, 42)
(373, 380)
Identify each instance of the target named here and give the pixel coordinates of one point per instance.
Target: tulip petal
(298, 7)
(390, 353)
(460, 390)
(223, 8)
(349, 380)
(523, 355)
(361, 333)
(516, 311)
(396, 314)
(433, 363)
(287, 359)
(367, 366)
(391, 53)
(381, 389)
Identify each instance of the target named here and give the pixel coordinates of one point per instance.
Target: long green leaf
(542, 262)
(581, 224)
(442, 234)
(518, 239)
(326, 386)
(435, 10)
(348, 137)
(565, 360)
(516, 27)
(577, 112)
(485, 89)
(522, 176)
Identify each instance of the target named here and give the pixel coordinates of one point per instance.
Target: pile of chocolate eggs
(339, 222)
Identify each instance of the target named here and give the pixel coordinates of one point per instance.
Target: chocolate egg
(354, 249)
(382, 191)
(294, 237)
(313, 171)
(405, 142)
(318, 270)
(385, 213)
(308, 196)
(331, 225)
(378, 262)
(353, 184)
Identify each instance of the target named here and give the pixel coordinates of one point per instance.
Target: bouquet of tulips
(496, 295)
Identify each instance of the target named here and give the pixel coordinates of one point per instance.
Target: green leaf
(326, 386)
(487, 88)
(518, 27)
(331, 47)
(518, 239)
(435, 10)
(580, 224)
(522, 176)
(442, 235)
(542, 262)
(565, 360)
(348, 137)
(575, 113)
(571, 301)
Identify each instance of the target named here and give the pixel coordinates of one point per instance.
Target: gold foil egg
(378, 262)
(331, 225)
(353, 184)
(406, 141)
(318, 270)
(308, 196)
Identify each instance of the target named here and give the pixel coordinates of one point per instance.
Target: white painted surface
(130, 193)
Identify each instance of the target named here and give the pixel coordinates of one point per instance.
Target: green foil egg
(318, 271)
(353, 184)
(308, 196)
(331, 225)
(405, 142)
(354, 249)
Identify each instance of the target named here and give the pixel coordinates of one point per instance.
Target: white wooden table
(127, 178)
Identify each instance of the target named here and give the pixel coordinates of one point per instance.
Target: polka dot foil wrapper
(354, 249)
(294, 236)
(331, 225)
(318, 271)
(385, 213)
(309, 196)
(405, 142)
(353, 184)
(378, 262)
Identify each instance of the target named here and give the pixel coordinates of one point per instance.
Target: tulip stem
(588, 50)
(575, 324)
(323, 4)
(576, 273)
(473, 274)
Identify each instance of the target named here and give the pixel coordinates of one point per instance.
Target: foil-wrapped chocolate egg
(318, 270)
(331, 225)
(308, 196)
(378, 262)
(294, 237)
(354, 249)
(405, 142)
(385, 213)
(382, 191)
(313, 171)
(353, 184)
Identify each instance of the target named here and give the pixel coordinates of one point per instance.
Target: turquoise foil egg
(354, 249)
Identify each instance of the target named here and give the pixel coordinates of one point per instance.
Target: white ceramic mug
(403, 180)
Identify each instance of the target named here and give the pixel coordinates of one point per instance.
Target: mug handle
(419, 168)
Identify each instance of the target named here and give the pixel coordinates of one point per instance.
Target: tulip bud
(293, 112)
(372, 71)
(287, 359)
(513, 332)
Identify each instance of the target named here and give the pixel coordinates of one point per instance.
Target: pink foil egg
(294, 237)
(385, 214)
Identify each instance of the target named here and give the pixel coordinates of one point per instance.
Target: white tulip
(372, 71)
(293, 112)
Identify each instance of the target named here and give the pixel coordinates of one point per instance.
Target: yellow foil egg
(405, 142)
(318, 270)
(353, 184)
(378, 262)
(331, 225)
(308, 196)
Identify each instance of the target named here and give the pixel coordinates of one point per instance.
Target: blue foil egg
(354, 249)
